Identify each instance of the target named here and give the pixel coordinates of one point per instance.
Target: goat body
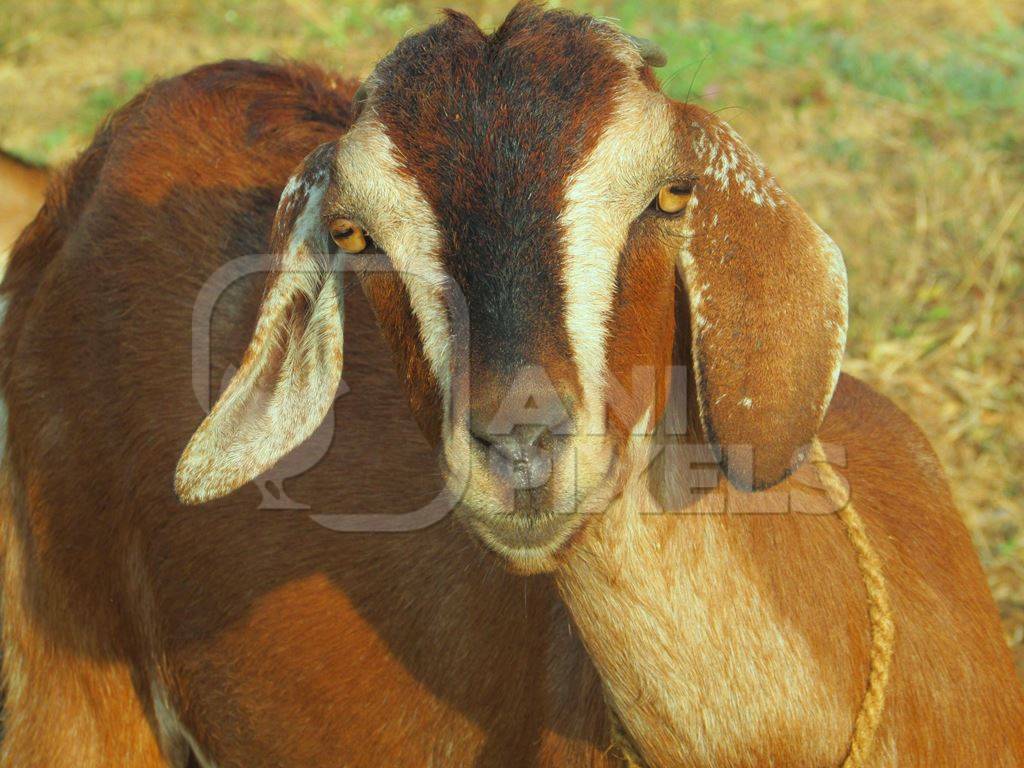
(138, 631)
(136, 628)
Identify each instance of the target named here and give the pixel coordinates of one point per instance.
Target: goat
(22, 185)
(576, 293)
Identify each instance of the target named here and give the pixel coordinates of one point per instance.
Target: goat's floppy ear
(768, 308)
(290, 372)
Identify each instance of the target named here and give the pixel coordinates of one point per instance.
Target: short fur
(140, 632)
(272, 640)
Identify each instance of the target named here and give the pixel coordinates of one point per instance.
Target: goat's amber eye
(672, 198)
(348, 235)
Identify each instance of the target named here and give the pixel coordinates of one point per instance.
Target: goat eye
(348, 236)
(672, 198)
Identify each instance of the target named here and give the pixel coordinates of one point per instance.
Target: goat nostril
(533, 436)
(512, 448)
(523, 444)
(527, 436)
(483, 439)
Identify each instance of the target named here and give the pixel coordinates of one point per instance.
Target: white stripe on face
(398, 216)
(603, 197)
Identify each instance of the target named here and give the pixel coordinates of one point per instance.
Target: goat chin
(538, 540)
(530, 529)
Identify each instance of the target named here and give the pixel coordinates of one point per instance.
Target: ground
(896, 124)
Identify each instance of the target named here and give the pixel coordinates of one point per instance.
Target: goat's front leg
(71, 713)
(65, 707)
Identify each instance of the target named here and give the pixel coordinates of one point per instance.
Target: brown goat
(545, 244)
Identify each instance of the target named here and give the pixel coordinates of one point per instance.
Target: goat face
(534, 197)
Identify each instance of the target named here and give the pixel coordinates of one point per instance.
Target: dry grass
(897, 124)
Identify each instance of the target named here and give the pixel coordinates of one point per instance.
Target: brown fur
(643, 331)
(490, 127)
(953, 699)
(276, 642)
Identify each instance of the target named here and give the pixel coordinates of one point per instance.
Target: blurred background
(898, 124)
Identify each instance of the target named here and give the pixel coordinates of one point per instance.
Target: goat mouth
(535, 538)
(528, 543)
(529, 521)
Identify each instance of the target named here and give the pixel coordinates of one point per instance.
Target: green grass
(720, 63)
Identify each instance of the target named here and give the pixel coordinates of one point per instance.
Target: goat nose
(522, 452)
(518, 436)
(519, 445)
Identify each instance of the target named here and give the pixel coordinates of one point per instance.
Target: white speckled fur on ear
(291, 370)
(768, 306)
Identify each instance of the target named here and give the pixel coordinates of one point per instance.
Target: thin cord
(883, 630)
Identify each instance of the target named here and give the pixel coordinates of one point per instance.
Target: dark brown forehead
(491, 126)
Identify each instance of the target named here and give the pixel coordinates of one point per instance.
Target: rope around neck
(883, 631)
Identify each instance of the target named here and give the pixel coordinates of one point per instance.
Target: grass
(896, 123)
